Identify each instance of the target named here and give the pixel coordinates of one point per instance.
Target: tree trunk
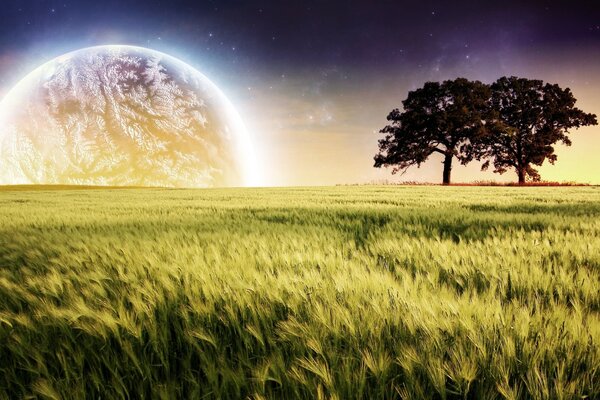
(447, 168)
(521, 173)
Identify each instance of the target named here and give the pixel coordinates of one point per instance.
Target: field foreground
(346, 292)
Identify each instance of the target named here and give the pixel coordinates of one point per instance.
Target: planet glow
(122, 115)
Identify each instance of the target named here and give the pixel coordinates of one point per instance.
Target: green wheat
(339, 293)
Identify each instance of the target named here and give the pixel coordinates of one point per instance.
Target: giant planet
(122, 116)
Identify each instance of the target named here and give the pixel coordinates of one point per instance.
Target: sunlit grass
(347, 292)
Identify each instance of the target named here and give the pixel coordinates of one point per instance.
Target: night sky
(314, 80)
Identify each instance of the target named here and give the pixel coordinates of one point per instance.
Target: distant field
(341, 293)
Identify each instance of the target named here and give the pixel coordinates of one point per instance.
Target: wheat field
(358, 292)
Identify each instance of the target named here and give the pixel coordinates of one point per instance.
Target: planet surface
(121, 116)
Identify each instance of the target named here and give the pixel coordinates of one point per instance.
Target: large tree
(444, 118)
(531, 116)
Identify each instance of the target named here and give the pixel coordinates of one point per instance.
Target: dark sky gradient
(315, 79)
(367, 34)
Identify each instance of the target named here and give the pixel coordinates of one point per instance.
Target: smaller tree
(530, 118)
(439, 118)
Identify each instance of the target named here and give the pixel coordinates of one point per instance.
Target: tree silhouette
(444, 118)
(531, 116)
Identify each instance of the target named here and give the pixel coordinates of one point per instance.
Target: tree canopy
(531, 116)
(437, 118)
(513, 123)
